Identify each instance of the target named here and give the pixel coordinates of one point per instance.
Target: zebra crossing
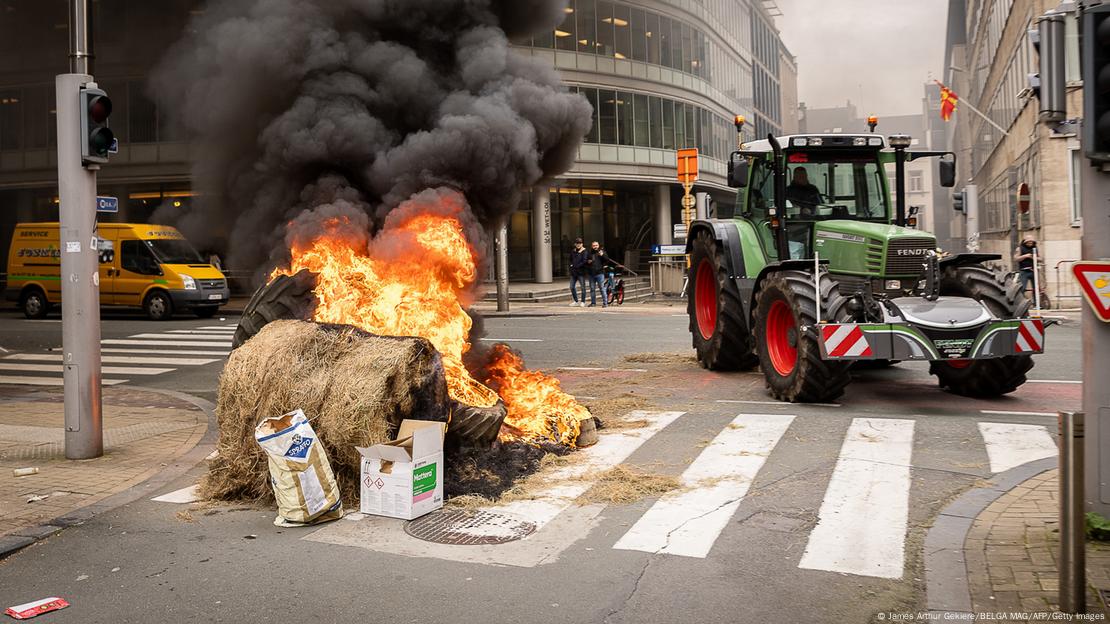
(862, 518)
(139, 355)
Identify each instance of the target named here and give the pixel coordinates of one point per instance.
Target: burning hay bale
(355, 385)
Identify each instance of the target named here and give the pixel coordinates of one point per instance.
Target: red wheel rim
(780, 326)
(958, 363)
(705, 299)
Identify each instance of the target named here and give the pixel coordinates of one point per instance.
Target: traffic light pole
(1095, 183)
(80, 270)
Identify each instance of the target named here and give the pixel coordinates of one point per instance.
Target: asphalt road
(821, 516)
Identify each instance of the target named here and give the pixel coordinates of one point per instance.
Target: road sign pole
(1095, 183)
(80, 271)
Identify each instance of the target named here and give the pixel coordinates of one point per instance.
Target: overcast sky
(876, 53)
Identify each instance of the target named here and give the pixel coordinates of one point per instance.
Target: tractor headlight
(190, 283)
(893, 284)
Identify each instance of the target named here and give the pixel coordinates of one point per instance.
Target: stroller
(614, 284)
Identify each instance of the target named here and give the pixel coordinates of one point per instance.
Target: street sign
(107, 204)
(680, 230)
(1023, 198)
(687, 165)
(668, 250)
(114, 147)
(1094, 279)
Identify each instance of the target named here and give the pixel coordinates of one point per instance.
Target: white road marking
(230, 328)
(861, 527)
(113, 359)
(1059, 381)
(1008, 413)
(216, 354)
(572, 481)
(182, 496)
(512, 339)
(201, 332)
(592, 368)
(48, 381)
(58, 368)
(688, 522)
(165, 343)
(180, 337)
(1010, 445)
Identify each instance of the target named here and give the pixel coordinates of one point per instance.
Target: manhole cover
(469, 527)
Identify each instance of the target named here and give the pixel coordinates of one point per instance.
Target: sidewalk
(1012, 550)
(144, 432)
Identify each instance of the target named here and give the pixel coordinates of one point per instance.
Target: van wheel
(34, 304)
(206, 311)
(158, 306)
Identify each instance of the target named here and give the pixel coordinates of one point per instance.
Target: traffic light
(1095, 37)
(96, 137)
(958, 201)
(1048, 83)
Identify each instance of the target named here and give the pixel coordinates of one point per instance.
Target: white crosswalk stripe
(689, 521)
(143, 354)
(1010, 445)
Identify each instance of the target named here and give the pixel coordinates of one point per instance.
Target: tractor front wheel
(989, 377)
(786, 338)
(720, 334)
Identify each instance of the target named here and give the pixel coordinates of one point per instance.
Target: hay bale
(356, 386)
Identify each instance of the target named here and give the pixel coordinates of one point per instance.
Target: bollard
(1073, 563)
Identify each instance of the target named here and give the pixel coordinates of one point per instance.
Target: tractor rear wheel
(786, 338)
(988, 377)
(284, 297)
(717, 323)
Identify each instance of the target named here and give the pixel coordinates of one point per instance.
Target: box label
(424, 481)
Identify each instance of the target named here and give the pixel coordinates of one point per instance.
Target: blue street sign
(114, 149)
(107, 204)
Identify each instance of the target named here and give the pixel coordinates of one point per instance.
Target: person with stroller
(579, 259)
(599, 263)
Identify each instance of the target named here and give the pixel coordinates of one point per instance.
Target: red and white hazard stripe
(1030, 336)
(845, 341)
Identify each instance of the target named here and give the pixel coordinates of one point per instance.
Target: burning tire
(720, 333)
(472, 426)
(282, 298)
(790, 355)
(988, 377)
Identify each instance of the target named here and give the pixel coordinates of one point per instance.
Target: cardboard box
(404, 478)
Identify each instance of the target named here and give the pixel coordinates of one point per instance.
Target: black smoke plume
(305, 110)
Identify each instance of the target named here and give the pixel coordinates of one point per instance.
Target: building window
(586, 10)
(640, 110)
(625, 131)
(652, 36)
(622, 19)
(1075, 164)
(655, 126)
(591, 96)
(915, 182)
(605, 41)
(565, 32)
(11, 120)
(608, 116)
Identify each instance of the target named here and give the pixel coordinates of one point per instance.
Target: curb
(26, 536)
(946, 586)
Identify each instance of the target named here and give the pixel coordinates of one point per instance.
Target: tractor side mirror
(737, 170)
(947, 173)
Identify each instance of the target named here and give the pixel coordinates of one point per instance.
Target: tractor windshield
(835, 184)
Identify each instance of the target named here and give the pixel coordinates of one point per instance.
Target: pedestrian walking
(1024, 257)
(598, 264)
(579, 259)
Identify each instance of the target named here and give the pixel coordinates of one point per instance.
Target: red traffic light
(99, 108)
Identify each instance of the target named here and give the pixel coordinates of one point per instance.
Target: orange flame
(416, 279)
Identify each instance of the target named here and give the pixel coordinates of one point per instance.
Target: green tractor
(817, 272)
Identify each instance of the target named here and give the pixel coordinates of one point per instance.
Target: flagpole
(975, 110)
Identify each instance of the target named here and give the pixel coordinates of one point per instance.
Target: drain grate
(469, 527)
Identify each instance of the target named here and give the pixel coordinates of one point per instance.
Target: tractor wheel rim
(780, 323)
(705, 299)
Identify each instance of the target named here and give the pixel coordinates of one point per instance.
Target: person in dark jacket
(579, 258)
(599, 261)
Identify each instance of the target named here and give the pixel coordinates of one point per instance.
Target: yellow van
(141, 265)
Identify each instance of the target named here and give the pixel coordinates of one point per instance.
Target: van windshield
(174, 251)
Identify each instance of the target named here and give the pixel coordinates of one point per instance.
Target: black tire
(789, 297)
(34, 304)
(206, 311)
(158, 306)
(717, 322)
(282, 298)
(475, 427)
(988, 377)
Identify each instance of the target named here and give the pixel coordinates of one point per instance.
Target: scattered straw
(625, 484)
(660, 358)
(616, 408)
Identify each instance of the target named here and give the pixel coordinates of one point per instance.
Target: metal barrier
(1064, 286)
(667, 275)
(1073, 556)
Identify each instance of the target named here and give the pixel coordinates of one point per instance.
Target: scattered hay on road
(624, 484)
(660, 358)
(612, 410)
